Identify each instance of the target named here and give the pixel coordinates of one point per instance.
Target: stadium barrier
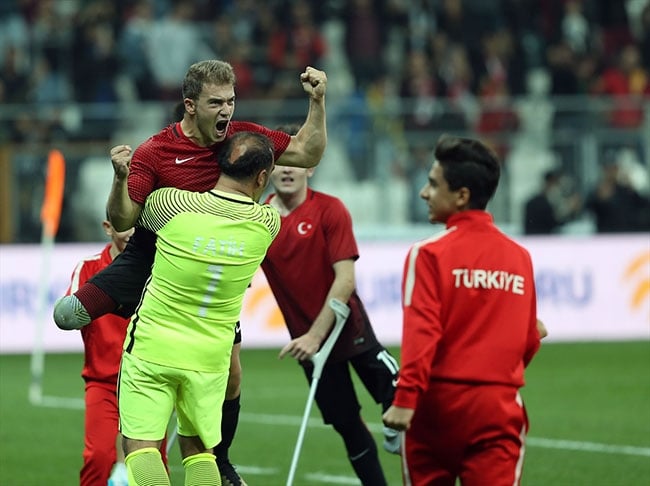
(590, 288)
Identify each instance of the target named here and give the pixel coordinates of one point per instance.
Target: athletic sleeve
(159, 208)
(272, 220)
(422, 327)
(142, 172)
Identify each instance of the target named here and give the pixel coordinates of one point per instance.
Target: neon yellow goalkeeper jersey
(209, 246)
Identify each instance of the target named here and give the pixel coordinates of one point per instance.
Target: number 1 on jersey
(215, 275)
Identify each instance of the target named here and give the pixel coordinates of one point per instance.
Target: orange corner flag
(53, 198)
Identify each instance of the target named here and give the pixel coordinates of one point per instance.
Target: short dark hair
(469, 163)
(211, 71)
(255, 154)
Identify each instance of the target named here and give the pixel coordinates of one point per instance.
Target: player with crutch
(311, 261)
(342, 312)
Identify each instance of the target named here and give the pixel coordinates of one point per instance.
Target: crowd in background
(403, 69)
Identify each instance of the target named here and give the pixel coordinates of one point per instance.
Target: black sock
(229, 421)
(362, 453)
(366, 465)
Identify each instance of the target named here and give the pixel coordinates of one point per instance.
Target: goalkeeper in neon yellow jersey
(178, 344)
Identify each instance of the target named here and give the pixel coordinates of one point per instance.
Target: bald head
(245, 154)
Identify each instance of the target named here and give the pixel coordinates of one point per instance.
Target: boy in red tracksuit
(469, 330)
(103, 340)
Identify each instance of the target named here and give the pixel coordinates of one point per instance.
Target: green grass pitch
(588, 404)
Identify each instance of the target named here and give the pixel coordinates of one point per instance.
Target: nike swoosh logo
(180, 161)
(395, 381)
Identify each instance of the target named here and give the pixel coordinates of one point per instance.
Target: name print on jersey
(213, 247)
(476, 278)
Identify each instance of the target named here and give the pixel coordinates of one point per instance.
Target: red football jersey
(469, 309)
(299, 269)
(170, 159)
(103, 338)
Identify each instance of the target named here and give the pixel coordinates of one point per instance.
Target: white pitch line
(573, 445)
(60, 402)
(294, 420)
(316, 477)
(245, 470)
(321, 477)
(268, 419)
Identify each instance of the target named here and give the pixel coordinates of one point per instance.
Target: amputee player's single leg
(339, 406)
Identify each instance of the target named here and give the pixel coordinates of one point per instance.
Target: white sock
(119, 475)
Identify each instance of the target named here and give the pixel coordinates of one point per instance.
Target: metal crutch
(341, 311)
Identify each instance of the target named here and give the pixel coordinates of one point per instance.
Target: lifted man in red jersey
(184, 155)
(316, 234)
(469, 330)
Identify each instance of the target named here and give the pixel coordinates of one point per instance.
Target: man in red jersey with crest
(469, 330)
(184, 155)
(310, 262)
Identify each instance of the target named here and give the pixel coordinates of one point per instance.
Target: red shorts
(467, 431)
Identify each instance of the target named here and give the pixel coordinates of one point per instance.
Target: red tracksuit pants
(101, 425)
(467, 431)
(101, 428)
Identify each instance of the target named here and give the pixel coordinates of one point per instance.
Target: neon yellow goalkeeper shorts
(148, 393)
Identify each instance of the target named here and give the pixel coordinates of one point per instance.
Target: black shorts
(336, 397)
(124, 279)
(237, 334)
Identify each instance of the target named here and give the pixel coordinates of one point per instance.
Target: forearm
(341, 289)
(122, 211)
(308, 145)
(312, 136)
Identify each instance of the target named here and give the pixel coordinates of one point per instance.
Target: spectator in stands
(460, 22)
(613, 25)
(547, 211)
(132, 49)
(629, 83)
(575, 26)
(417, 173)
(292, 46)
(14, 77)
(237, 48)
(420, 87)
(366, 29)
(498, 119)
(265, 24)
(561, 61)
(615, 204)
(94, 51)
(174, 43)
(645, 36)
(457, 74)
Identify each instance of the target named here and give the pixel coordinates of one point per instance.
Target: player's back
(487, 297)
(209, 246)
